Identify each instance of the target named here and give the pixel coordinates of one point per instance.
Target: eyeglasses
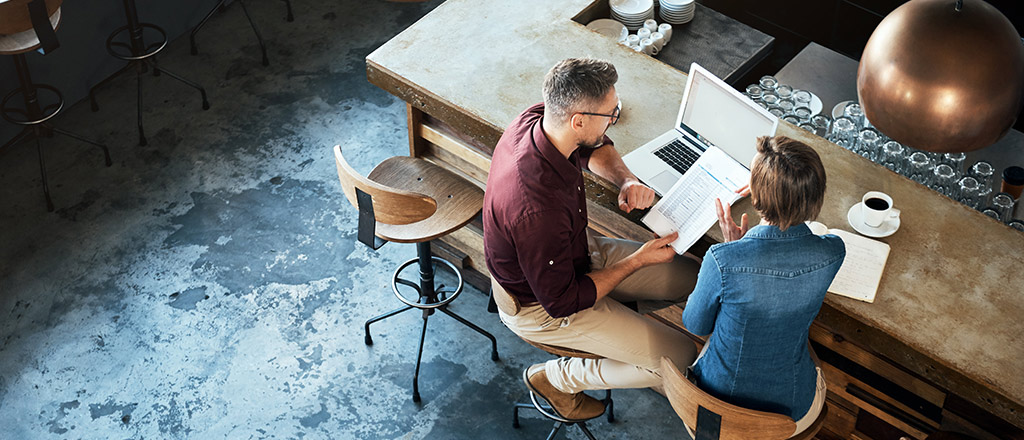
(614, 116)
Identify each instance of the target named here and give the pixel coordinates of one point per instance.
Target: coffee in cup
(876, 208)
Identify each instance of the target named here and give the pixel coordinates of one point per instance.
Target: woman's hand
(730, 231)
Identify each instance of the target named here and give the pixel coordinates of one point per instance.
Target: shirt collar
(772, 231)
(568, 169)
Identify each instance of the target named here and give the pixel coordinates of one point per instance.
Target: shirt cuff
(587, 292)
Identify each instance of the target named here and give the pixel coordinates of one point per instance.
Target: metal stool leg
(195, 30)
(288, 4)
(494, 342)
(42, 171)
(259, 39)
(610, 405)
(515, 413)
(554, 430)
(106, 152)
(17, 139)
(419, 356)
(586, 432)
(202, 91)
(366, 327)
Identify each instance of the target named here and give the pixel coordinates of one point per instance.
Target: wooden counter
(940, 347)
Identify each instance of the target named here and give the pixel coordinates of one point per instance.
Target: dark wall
(82, 59)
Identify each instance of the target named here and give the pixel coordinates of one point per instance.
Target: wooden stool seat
(457, 200)
(25, 41)
(693, 405)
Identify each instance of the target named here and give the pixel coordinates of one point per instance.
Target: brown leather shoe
(577, 406)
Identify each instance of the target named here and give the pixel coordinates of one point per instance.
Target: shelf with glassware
(847, 126)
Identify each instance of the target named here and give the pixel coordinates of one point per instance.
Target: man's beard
(595, 144)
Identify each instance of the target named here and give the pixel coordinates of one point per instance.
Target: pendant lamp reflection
(943, 75)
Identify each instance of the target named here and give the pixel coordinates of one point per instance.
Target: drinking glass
(792, 119)
(803, 114)
(842, 143)
(787, 105)
(970, 192)
(843, 129)
(855, 113)
(1016, 224)
(1003, 204)
(784, 91)
(944, 180)
(777, 112)
(772, 100)
(807, 126)
(892, 156)
(991, 213)
(867, 143)
(802, 98)
(955, 160)
(762, 104)
(768, 82)
(919, 168)
(983, 171)
(822, 124)
(755, 92)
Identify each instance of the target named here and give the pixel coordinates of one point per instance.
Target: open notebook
(861, 272)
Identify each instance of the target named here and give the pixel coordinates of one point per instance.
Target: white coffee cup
(659, 40)
(876, 208)
(648, 47)
(651, 25)
(637, 48)
(633, 39)
(666, 30)
(643, 33)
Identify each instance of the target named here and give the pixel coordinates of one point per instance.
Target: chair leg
(106, 152)
(610, 405)
(515, 412)
(195, 30)
(19, 138)
(259, 39)
(202, 91)
(366, 327)
(92, 90)
(554, 430)
(42, 171)
(494, 342)
(419, 356)
(586, 431)
(138, 104)
(288, 4)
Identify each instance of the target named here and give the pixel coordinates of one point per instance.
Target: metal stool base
(220, 7)
(431, 299)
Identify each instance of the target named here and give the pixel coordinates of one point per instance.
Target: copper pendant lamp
(943, 75)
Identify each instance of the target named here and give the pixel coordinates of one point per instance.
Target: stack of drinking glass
(944, 173)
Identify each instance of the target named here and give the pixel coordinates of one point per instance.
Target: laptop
(712, 113)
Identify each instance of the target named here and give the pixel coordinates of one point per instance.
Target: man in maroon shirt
(572, 285)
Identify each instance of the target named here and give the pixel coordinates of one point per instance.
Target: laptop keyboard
(677, 155)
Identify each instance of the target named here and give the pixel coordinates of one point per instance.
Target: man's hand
(635, 195)
(656, 251)
(730, 231)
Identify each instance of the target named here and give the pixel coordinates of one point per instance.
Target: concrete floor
(210, 285)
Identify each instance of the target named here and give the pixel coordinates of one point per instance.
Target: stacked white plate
(632, 13)
(609, 28)
(677, 11)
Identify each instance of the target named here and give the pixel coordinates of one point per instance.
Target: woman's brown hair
(787, 181)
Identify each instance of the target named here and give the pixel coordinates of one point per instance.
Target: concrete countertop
(952, 289)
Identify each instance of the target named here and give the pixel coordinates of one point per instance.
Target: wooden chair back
(14, 15)
(392, 206)
(737, 423)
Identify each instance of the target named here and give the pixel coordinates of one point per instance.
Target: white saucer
(816, 104)
(837, 111)
(856, 220)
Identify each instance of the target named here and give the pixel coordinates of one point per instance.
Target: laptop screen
(724, 116)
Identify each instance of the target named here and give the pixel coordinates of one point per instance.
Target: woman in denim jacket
(758, 292)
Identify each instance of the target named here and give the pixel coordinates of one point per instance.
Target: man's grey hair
(576, 85)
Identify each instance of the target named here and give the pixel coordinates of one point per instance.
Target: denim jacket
(757, 296)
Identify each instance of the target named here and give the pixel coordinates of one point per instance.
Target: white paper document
(689, 207)
(861, 272)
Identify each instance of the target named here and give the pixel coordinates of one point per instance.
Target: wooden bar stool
(708, 418)
(35, 110)
(410, 200)
(219, 7)
(140, 55)
(509, 304)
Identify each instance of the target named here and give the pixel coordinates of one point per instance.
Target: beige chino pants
(632, 345)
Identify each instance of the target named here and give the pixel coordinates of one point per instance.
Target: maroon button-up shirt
(535, 219)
